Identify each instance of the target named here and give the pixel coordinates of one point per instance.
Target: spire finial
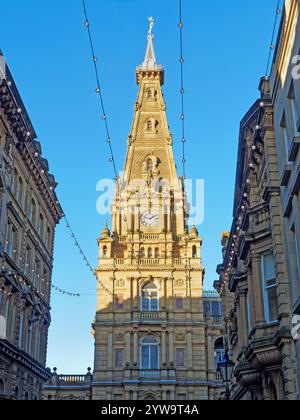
(150, 64)
(151, 23)
(150, 60)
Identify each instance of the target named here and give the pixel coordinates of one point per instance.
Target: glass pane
(154, 357)
(206, 308)
(215, 307)
(179, 303)
(145, 303)
(150, 286)
(149, 340)
(269, 268)
(272, 303)
(119, 358)
(180, 358)
(145, 357)
(154, 305)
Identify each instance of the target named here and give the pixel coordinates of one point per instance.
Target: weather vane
(151, 22)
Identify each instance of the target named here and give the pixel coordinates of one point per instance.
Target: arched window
(150, 93)
(219, 352)
(142, 253)
(195, 254)
(19, 191)
(41, 225)
(149, 353)
(47, 237)
(104, 254)
(14, 181)
(150, 254)
(149, 125)
(150, 298)
(156, 253)
(32, 211)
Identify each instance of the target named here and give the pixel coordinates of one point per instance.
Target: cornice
(24, 140)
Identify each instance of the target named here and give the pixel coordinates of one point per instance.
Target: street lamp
(225, 368)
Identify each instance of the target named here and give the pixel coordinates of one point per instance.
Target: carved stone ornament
(120, 283)
(179, 283)
(180, 337)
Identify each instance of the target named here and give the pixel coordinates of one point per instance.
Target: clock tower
(149, 327)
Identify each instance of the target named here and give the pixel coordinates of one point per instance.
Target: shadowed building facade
(259, 277)
(29, 212)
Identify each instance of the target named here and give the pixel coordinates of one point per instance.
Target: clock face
(149, 219)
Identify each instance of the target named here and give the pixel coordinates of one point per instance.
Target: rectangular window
(270, 287)
(48, 238)
(179, 302)
(285, 138)
(45, 281)
(145, 357)
(219, 356)
(216, 310)
(37, 273)
(180, 357)
(297, 253)
(119, 359)
(293, 110)
(206, 307)
(11, 241)
(28, 262)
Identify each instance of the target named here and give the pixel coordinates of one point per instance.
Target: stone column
(244, 316)
(114, 223)
(258, 297)
(163, 349)
(137, 304)
(171, 346)
(128, 350)
(135, 348)
(110, 351)
(189, 350)
(251, 297)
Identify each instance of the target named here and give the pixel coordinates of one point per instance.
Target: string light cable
(272, 43)
(118, 180)
(182, 89)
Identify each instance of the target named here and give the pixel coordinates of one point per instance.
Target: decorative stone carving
(120, 283)
(179, 283)
(180, 337)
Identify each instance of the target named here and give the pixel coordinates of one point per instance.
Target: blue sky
(46, 46)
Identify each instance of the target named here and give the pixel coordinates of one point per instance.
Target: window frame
(121, 352)
(183, 351)
(266, 288)
(150, 346)
(150, 300)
